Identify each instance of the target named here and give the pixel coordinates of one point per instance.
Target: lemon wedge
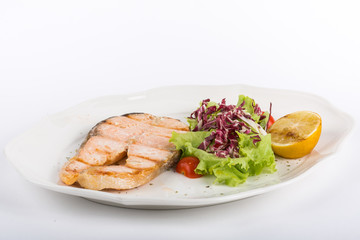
(296, 134)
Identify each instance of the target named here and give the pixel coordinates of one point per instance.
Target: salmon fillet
(124, 152)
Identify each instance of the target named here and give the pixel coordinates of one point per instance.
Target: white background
(55, 54)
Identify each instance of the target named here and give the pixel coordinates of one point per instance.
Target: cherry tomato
(187, 166)
(270, 122)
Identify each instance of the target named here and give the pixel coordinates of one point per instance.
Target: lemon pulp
(296, 134)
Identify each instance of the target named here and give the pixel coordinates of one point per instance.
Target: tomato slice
(270, 122)
(187, 166)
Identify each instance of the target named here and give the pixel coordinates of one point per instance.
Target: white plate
(39, 153)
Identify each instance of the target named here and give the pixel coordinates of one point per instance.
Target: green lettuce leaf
(248, 105)
(192, 123)
(249, 108)
(194, 138)
(253, 160)
(259, 157)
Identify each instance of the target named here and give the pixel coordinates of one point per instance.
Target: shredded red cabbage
(224, 121)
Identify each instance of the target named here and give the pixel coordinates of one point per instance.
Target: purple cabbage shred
(224, 121)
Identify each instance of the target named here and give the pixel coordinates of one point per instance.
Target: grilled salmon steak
(124, 152)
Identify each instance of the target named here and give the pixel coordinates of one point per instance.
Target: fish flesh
(124, 152)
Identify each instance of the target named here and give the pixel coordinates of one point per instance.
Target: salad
(227, 141)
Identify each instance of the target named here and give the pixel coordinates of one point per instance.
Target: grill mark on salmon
(100, 150)
(151, 153)
(158, 121)
(140, 163)
(127, 122)
(71, 170)
(155, 141)
(144, 138)
(116, 133)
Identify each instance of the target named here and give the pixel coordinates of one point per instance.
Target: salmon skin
(124, 152)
